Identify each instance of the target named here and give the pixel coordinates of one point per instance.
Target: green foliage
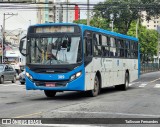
(124, 12)
(81, 21)
(148, 39)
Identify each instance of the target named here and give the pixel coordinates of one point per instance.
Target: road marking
(154, 80)
(23, 116)
(142, 85)
(157, 86)
(110, 113)
(12, 85)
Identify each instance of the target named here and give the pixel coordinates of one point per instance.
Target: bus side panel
(89, 76)
(134, 70)
(103, 65)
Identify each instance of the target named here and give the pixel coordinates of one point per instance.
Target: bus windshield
(53, 50)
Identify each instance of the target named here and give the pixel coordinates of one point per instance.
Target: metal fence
(149, 67)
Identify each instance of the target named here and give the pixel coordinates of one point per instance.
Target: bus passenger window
(127, 49)
(105, 46)
(112, 47)
(97, 45)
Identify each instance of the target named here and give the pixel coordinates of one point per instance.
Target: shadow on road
(73, 96)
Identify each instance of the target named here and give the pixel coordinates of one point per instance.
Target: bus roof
(85, 27)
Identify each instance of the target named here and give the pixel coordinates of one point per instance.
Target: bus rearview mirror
(22, 46)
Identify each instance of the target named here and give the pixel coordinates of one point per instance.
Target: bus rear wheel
(50, 93)
(95, 91)
(125, 85)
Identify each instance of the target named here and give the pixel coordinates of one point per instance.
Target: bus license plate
(50, 84)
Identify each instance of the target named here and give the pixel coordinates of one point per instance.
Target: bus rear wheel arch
(50, 93)
(126, 82)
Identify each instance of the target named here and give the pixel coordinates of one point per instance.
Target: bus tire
(125, 85)
(50, 93)
(95, 91)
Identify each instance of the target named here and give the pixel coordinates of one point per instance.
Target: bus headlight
(72, 77)
(29, 76)
(78, 74)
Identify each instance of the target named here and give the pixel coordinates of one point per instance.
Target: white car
(22, 77)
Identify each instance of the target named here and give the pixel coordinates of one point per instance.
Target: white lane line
(157, 86)
(142, 85)
(107, 113)
(154, 80)
(13, 85)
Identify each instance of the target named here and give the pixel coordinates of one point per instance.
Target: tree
(80, 21)
(98, 22)
(148, 39)
(124, 12)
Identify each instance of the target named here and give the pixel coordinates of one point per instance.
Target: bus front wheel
(50, 93)
(95, 91)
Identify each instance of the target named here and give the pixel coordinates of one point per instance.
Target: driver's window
(88, 43)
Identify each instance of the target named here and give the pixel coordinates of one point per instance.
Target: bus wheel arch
(98, 74)
(127, 71)
(97, 85)
(126, 82)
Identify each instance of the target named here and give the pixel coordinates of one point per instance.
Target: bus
(75, 57)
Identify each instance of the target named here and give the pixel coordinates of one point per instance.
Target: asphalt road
(141, 100)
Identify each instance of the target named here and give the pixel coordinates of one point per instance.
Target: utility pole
(137, 24)
(88, 23)
(67, 12)
(158, 29)
(3, 31)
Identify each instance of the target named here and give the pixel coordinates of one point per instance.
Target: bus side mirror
(22, 46)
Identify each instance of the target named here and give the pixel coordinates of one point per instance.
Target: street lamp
(112, 21)
(88, 23)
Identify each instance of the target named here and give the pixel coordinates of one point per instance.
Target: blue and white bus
(75, 57)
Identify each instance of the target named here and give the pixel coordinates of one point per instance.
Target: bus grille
(57, 83)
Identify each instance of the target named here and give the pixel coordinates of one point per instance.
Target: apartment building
(150, 24)
(57, 11)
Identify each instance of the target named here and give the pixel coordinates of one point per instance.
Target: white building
(150, 24)
(57, 11)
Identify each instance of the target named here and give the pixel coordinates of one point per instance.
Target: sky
(27, 17)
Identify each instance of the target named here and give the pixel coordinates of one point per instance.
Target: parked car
(22, 77)
(7, 73)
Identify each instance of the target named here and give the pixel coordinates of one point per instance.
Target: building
(150, 24)
(57, 11)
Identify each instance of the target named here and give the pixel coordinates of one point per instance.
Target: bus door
(87, 48)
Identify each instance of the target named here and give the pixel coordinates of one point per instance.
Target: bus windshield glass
(53, 50)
